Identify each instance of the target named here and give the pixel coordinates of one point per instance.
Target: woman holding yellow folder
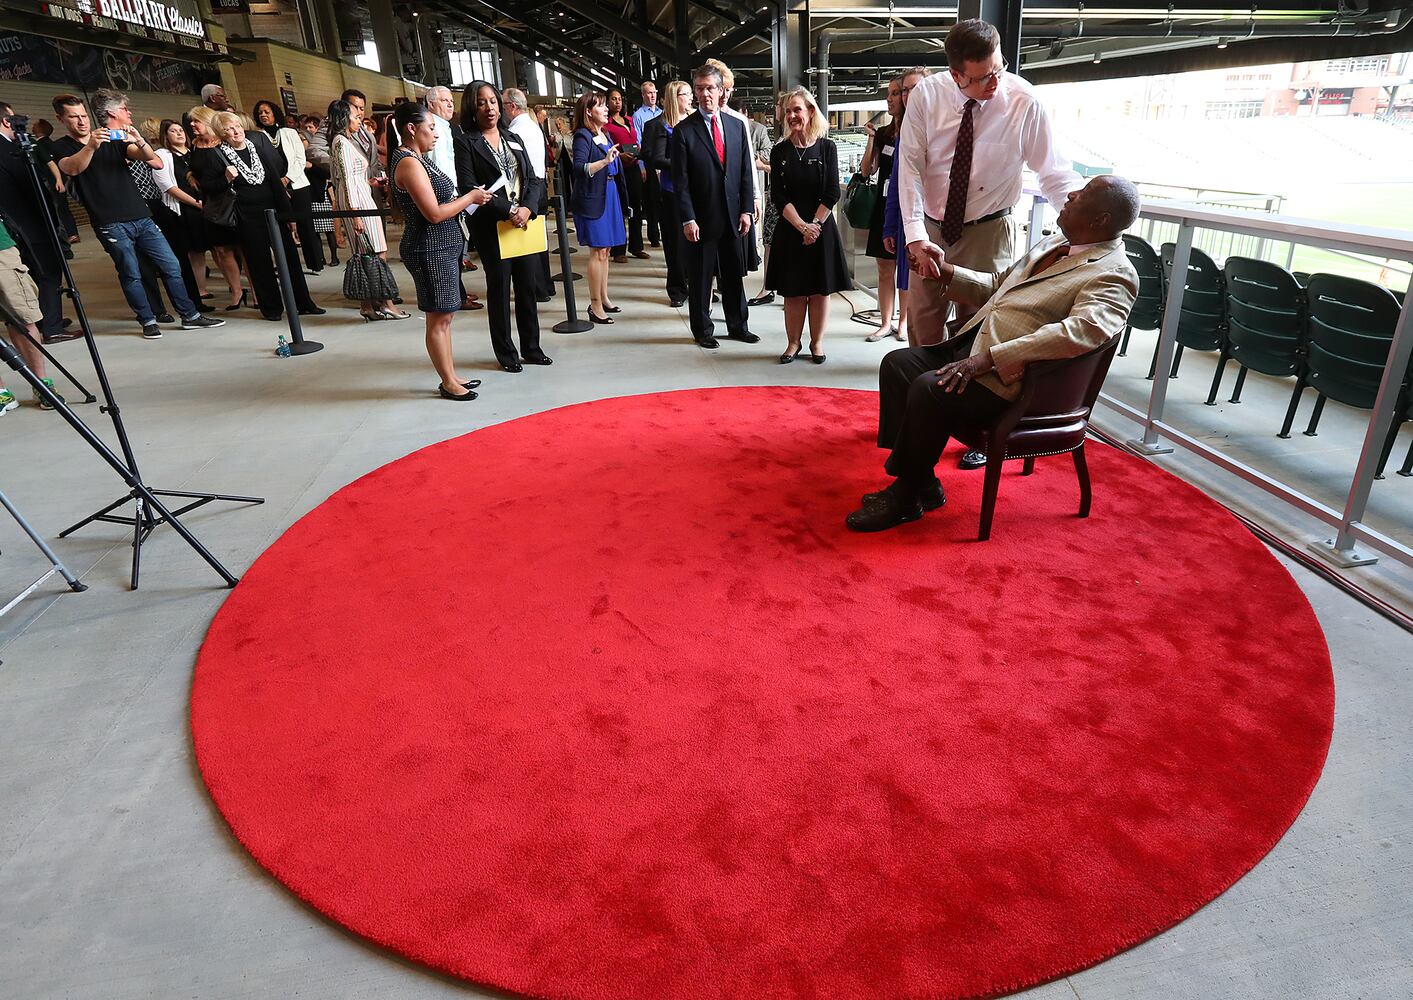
(491, 156)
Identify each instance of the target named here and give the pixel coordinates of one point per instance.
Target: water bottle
(282, 347)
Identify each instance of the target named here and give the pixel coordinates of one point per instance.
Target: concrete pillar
(327, 25)
(435, 65)
(380, 13)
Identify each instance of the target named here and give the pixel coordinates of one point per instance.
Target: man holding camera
(97, 159)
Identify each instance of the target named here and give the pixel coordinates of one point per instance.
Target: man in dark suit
(713, 182)
(20, 202)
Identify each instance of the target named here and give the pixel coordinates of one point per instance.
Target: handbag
(366, 276)
(860, 199)
(220, 209)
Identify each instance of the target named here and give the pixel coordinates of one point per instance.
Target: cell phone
(117, 135)
(630, 149)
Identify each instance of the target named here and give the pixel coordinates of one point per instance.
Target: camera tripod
(149, 512)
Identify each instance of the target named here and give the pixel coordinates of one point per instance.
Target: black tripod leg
(88, 397)
(96, 515)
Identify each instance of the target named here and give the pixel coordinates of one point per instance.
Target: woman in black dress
(486, 152)
(807, 262)
(207, 174)
(432, 243)
(878, 158)
(254, 172)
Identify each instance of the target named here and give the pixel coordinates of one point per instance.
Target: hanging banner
(288, 102)
(348, 14)
(230, 6)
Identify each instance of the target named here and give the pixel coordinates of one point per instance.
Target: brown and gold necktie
(1052, 257)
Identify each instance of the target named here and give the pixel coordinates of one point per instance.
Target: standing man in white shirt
(966, 138)
(523, 124)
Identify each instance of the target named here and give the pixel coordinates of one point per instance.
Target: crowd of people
(684, 171)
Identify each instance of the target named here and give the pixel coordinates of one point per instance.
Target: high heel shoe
(373, 316)
(613, 309)
(602, 320)
(394, 314)
(239, 303)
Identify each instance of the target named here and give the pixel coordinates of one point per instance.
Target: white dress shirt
(525, 126)
(759, 183)
(443, 154)
(1010, 131)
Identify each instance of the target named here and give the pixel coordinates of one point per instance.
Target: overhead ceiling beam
(641, 37)
(724, 45)
(594, 61)
(568, 66)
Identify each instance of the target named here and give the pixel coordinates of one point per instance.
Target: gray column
(790, 37)
(380, 13)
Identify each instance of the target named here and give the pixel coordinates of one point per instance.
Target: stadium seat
(1265, 322)
(1147, 312)
(1202, 326)
(1350, 330)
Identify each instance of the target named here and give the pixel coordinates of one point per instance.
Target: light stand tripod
(143, 519)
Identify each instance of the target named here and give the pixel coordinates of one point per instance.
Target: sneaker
(7, 400)
(151, 332)
(166, 318)
(199, 322)
(44, 404)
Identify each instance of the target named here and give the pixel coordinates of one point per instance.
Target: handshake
(926, 258)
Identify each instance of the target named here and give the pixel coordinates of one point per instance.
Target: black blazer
(657, 154)
(589, 191)
(476, 166)
(712, 195)
(27, 221)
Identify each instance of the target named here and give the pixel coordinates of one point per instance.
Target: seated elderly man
(1069, 295)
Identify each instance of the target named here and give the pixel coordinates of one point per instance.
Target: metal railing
(1187, 221)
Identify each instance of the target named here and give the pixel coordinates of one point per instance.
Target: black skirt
(795, 269)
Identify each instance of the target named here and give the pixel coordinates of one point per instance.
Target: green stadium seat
(1147, 312)
(1202, 325)
(1265, 322)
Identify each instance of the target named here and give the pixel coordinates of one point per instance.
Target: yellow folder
(522, 242)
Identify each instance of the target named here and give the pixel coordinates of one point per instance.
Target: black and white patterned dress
(431, 251)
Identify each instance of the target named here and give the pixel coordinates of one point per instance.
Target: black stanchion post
(297, 345)
(572, 322)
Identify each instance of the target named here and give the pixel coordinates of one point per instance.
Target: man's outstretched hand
(926, 257)
(955, 376)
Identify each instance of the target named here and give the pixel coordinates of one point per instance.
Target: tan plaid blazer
(1075, 306)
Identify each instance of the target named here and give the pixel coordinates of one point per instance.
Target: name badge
(885, 186)
(887, 150)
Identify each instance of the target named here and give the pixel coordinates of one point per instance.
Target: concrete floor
(119, 880)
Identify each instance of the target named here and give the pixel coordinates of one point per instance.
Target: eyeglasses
(973, 81)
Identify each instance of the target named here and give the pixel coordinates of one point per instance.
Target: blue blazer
(590, 191)
(710, 193)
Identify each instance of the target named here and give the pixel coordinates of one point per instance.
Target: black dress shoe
(973, 459)
(761, 300)
(59, 338)
(312, 311)
(746, 337)
(710, 343)
(543, 298)
(475, 383)
(539, 360)
(640, 254)
(887, 513)
(465, 397)
(676, 303)
(515, 368)
(929, 497)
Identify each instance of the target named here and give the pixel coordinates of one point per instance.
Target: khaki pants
(986, 247)
(17, 289)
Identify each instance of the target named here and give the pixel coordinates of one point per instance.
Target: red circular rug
(606, 703)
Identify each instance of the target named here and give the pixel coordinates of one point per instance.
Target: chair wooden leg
(1028, 467)
(1177, 360)
(1315, 416)
(1290, 410)
(1222, 359)
(1123, 344)
(1081, 469)
(1240, 383)
(994, 462)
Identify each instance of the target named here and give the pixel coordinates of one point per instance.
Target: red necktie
(1051, 258)
(959, 181)
(717, 140)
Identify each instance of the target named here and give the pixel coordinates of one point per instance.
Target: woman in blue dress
(598, 198)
